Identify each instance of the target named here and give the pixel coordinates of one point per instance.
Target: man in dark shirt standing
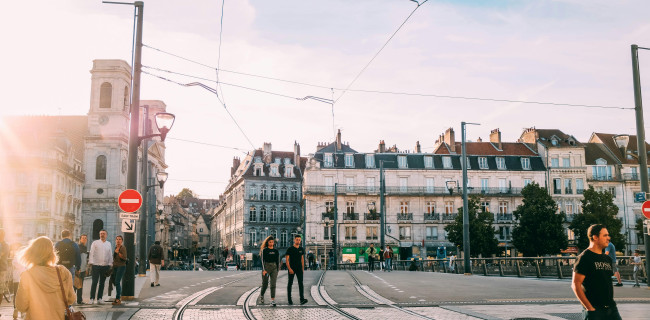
(295, 257)
(592, 277)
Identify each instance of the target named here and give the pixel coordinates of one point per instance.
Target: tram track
(192, 300)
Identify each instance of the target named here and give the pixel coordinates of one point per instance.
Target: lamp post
(327, 226)
(468, 267)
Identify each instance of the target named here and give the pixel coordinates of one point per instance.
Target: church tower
(106, 146)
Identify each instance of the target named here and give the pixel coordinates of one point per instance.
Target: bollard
(518, 268)
(485, 272)
(559, 269)
(539, 271)
(500, 270)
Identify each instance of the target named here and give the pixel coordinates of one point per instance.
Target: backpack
(67, 254)
(155, 252)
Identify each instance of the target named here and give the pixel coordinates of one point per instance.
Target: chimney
(296, 154)
(338, 140)
(382, 147)
(495, 138)
(479, 139)
(418, 149)
(266, 153)
(449, 140)
(235, 165)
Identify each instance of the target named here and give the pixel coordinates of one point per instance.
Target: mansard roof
(488, 148)
(607, 139)
(563, 139)
(281, 168)
(595, 151)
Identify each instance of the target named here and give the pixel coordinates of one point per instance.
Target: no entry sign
(130, 200)
(645, 208)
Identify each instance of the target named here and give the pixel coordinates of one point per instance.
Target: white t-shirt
(637, 267)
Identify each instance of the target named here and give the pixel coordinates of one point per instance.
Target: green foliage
(185, 193)
(481, 232)
(598, 207)
(540, 231)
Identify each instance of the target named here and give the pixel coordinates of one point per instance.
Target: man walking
(593, 271)
(69, 255)
(100, 259)
(295, 257)
(83, 251)
(156, 261)
(636, 262)
(611, 252)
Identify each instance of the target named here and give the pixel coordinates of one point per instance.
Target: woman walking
(270, 266)
(119, 267)
(43, 283)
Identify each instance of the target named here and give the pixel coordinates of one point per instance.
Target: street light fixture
(451, 185)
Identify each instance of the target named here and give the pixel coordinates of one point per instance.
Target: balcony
(568, 191)
(409, 191)
(504, 217)
(631, 176)
(432, 217)
(604, 177)
(43, 213)
(352, 216)
(325, 215)
(580, 191)
(449, 216)
(404, 217)
(371, 216)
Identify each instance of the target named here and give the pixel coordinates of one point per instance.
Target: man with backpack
(69, 253)
(156, 260)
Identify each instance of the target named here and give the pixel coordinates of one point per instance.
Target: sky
(559, 51)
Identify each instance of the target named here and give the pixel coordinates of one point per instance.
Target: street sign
(130, 200)
(128, 225)
(645, 208)
(639, 197)
(133, 216)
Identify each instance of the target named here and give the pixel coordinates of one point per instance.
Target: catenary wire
(220, 88)
(209, 144)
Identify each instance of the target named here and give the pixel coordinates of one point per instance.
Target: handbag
(69, 314)
(78, 282)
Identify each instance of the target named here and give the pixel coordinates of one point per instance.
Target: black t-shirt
(271, 256)
(597, 269)
(295, 258)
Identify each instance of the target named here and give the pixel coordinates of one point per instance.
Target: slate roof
(545, 136)
(267, 168)
(488, 148)
(595, 151)
(607, 139)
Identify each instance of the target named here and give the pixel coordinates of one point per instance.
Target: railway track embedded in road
(196, 297)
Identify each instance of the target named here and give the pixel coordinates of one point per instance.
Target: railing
(580, 191)
(602, 177)
(504, 217)
(351, 216)
(449, 216)
(329, 215)
(371, 216)
(630, 176)
(415, 191)
(431, 216)
(404, 216)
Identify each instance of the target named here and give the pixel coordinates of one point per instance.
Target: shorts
(614, 267)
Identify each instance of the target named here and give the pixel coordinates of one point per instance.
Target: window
(568, 208)
(283, 239)
(580, 186)
(277, 160)
(100, 168)
(294, 215)
(263, 214)
(432, 233)
(349, 161)
(283, 215)
(485, 184)
(370, 184)
(467, 162)
(370, 161)
(327, 232)
(274, 214)
(401, 162)
(43, 204)
(288, 171)
(21, 203)
(252, 214)
(287, 161)
(485, 206)
(554, 142)
(349, 184)
(555, 162)
(504, 233)
(258, 171)
(403, 184)
(371, 233)
(430, 207)
(329, 184)
(566, 162)
(446, 162)
(127, 98)
(274, 171)
(349, 207)
(503, 188)
(501, 163)
(525, 163)
(403, 207)
(567, 186)
(252, 237)
(428, 162)
(503, 207)
(294, 194)
(449, 207)
(252, 192)
(635, 172)
(283, 194)
(557, 186)
(350, 233)
(405, 233)
(274, 193)
(482, 163)
(526, 182)
(105, 95)
(612, 190)
(430, 187)
(329, 206)
(263, 194)
(329, 160)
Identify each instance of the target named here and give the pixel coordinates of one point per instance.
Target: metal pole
(336, 230)
(382, 206)
(142, 230)
(640, 139)
(128, 283)
(468, 267)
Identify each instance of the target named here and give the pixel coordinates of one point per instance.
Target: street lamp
(468, 267)
(451, 185)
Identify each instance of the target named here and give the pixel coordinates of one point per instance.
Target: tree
(640, 231)
(482, 240)
(185, 193)
(598, 207)
(540, 231)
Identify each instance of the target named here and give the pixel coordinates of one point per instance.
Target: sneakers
(157, 284)
(636, 285)
(152, 284)
(303, 301)
(92, 301)
(261, 300)
(272, 303)
(618, 285)
(99, 301)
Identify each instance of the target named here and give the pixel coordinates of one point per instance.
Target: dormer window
(525, 163)
(258, 170)
(328, 160)
(258, 160)
(501, 163)
(288, 171)
(482, 163)
(428, 162)
(401, 162)
(554, 142)
(446, 162)
(370, 161)
(277, 160)
(274, 170)
(349, 161)
(287, 161)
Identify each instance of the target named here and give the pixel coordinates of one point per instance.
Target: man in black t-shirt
(592, 277)
(296, 265)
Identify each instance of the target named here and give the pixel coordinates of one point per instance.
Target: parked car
(231, 267)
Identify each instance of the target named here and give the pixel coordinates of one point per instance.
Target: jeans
(119, 273)
(72, 271)
(387, 263)
(371, 264)
(610, 313)
(301, 289)
(271, 272)
(99, 275)
(81, 290)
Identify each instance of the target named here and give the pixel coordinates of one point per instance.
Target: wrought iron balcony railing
(405, 217)
(431, 216)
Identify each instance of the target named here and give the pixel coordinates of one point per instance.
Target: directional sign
(128, 225)
(645, 208)
(639, 197)
(131, 216)
(130, 200)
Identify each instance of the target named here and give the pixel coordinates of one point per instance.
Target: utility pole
(463, 159)
(382, 206)
(336, 228)
(640, 138)
(142, 231)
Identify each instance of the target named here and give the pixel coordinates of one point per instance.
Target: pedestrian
(17, 270)
(593, 272)
(83, 270)
(284, 263)
(43, 283)
(119, 267)
(156, 260)
(270, 267)
(100, 259)
(4, 258)
(636, 262)
(388, 258)
(310, 257)
(295, 258)
(611, 252)
(452, 262)
(372, 256)
(330, 261)
(68, 252)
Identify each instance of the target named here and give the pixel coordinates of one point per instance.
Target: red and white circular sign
(645, 208)
(130, 200)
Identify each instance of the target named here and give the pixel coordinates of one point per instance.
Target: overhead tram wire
(209, 144)
(223, 2)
